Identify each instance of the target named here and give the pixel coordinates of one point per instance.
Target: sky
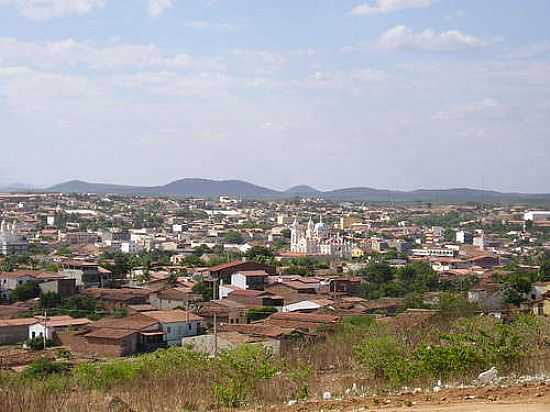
(394, 94)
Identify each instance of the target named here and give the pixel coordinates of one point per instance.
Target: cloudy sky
(397, 94)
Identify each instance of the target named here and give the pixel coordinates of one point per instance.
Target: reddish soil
(521, 398)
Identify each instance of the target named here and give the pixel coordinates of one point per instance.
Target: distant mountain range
(16, 187)
(205, 188)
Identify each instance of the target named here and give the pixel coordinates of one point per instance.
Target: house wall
(206, 344)
(166, 304)
(10, 283)
(542, 308)
(11, 335)
(97, 346)
(248, 282)
(225, 274)
(37, 330)
(174, 332)
(63, 287)
(238, 280)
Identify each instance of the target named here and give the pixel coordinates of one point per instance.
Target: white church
(10, 242)
(316, 239)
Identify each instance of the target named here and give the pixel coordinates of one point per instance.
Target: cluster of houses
(250, 301)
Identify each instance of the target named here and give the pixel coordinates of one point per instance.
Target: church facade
(10, 242)
(316, 239)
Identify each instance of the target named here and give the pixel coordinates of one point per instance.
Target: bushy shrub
(472, 345)
(164, 361)
(104, 376)
(239, 370)
(38, 343)
(386, 358)
(300, 376)
(43, 367)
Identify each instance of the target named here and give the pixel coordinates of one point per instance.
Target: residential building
(176, 324)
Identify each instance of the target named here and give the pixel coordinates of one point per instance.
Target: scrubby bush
(38, 343)
(386, 358)
(470, 346)
(104, 376)
(239, 370)
(43, 367)
(300, 377)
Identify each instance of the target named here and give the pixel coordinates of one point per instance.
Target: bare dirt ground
(518, 398)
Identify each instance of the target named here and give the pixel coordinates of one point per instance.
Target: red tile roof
(172, 316)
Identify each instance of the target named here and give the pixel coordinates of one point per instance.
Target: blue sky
(398, 94)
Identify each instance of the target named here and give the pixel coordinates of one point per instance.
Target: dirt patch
(527, 397)
(15, 356)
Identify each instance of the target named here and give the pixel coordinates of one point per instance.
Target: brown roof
(305, 317)
(179, 293)
(80, 263)
(229, 265)
(253, 273)
(107, 333)
(135, 322)
(172, 316)
(122, 294)
(62, 320)
(18, 274)
(297, 285)
(17, 322)
(146, 307)
(258, 329)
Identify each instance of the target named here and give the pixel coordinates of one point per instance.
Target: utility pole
(215, 322)
(45, 328)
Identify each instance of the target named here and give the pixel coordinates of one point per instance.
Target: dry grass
(332, 364)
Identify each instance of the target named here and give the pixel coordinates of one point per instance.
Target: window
(190, 326)
(168, 329)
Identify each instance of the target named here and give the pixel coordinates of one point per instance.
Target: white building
(10, 242)
(537, 216)
(316, 239)
(434, 252)
(55, 324)
(176, 324)
(131, 247)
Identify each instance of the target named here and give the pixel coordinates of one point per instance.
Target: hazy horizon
(388, 94)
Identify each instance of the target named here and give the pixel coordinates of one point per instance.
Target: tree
(418, 277)
(260, 313)
(172, 279)
(516, 288)
(544, 272)
(378, 273)
(26, 291)
(285, 233)
(233, 237)
(50, 300)
(201, 250)
(259, 253)
(193, 261)
(203, 289)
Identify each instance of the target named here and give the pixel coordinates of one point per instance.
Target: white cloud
(262, 61)
(401, 37)
(389, 6)
(47, 9)
(486, 108)
(207, 25)
(70, 53)
(157, 7)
